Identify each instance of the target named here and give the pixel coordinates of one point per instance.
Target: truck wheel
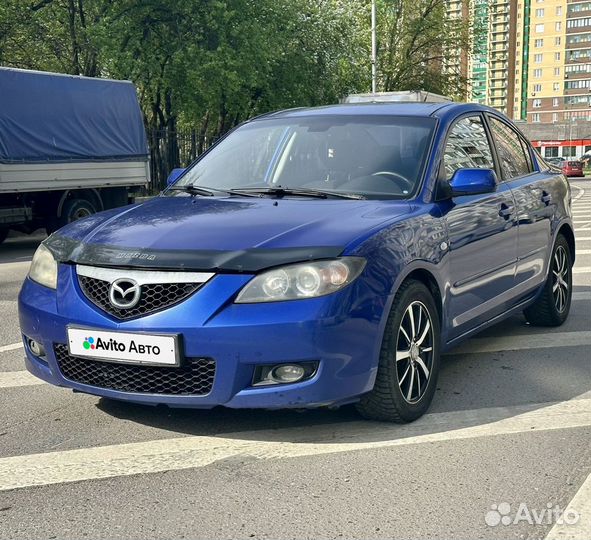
(73, 210)
(553, 305)
(3, 235)
(409, 359)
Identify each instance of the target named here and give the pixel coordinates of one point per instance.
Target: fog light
(36, 348)
(288, 373)
(284, 373)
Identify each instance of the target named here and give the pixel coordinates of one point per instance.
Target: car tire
(553, 304)
(72, 210)
(409, 358)
(3, 235)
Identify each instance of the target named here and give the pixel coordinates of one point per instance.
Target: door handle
(505, 211)
(546, 198)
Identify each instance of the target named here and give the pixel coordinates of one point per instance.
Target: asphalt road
(509, 433)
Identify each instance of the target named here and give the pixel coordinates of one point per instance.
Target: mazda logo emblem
(124, 293)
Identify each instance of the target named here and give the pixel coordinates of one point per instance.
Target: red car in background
(569, 167)
(572, 168)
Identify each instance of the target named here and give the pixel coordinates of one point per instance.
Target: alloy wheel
(414, 351)
(560, 281)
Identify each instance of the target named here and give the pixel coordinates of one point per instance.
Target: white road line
(584, 252)
(581, 296)
(582, 270)
(17, 379)
(14, 265)
(581, 505)
(529, 341)
(194, 452)
(11, 347)
(578, 222)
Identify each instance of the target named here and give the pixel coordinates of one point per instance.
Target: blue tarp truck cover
(46, 117)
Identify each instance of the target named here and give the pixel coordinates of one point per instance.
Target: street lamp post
(374, 49)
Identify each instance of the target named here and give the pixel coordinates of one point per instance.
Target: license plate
(127, 348)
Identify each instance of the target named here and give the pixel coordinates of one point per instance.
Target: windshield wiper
(297, 192)
(206, 191)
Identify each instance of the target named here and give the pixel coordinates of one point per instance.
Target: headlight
(44, 268)
(304, 280)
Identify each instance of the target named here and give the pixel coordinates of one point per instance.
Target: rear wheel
(553, 305)
(409, 359)
(72, 210)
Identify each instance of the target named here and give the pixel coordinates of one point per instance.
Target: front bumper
(342, 332)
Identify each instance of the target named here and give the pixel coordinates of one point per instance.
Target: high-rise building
(531, 59)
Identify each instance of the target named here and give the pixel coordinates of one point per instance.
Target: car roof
(383, 109)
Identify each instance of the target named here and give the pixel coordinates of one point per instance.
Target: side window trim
(474, 114)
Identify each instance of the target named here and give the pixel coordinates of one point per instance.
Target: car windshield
(369, 156)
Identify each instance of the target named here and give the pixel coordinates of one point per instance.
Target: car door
(533, 192)
(482, 233)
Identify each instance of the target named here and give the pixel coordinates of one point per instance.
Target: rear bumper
(237, 337)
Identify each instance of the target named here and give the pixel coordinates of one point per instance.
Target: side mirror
(473, 182)
(174, 174)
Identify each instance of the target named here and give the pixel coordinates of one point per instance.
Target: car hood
(234, 233)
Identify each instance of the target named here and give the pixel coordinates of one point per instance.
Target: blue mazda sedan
(313, 257)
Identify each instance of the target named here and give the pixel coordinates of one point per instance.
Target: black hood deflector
(68, 250)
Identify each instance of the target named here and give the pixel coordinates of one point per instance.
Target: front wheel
(409, 358)
(553, 305)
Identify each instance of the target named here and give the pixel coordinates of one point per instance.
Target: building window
(537, 73)
(569, 151)
(554, 117)
(577, 23)
(538, 58)
(555, 101)
(558, 26)
(535, 117)
(537, 87)
(557, 72)
(540, 12)
(539, 28)
(557, 40)
(557, 56)
(537, 103)
(556, 87)
(551, 151)
(539, 43)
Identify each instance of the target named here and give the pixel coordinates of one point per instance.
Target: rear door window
(512, 158)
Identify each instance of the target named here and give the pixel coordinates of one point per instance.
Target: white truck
(69, 147)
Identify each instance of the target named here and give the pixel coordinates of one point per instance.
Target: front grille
(194, 378)
(154, 297)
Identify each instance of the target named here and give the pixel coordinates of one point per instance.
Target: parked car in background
(572, 168)
(313, 257)
(569, 167)
(69, 147)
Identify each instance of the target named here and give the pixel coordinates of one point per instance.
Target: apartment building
(531, 59)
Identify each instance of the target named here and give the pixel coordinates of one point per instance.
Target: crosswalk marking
(580, 505)
(528, 341)
(582, 270)
(11, 347)
(195, 452)
(13, 379)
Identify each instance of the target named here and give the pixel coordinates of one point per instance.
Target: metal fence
(171, 149)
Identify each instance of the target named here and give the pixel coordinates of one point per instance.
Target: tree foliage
(206, 65)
